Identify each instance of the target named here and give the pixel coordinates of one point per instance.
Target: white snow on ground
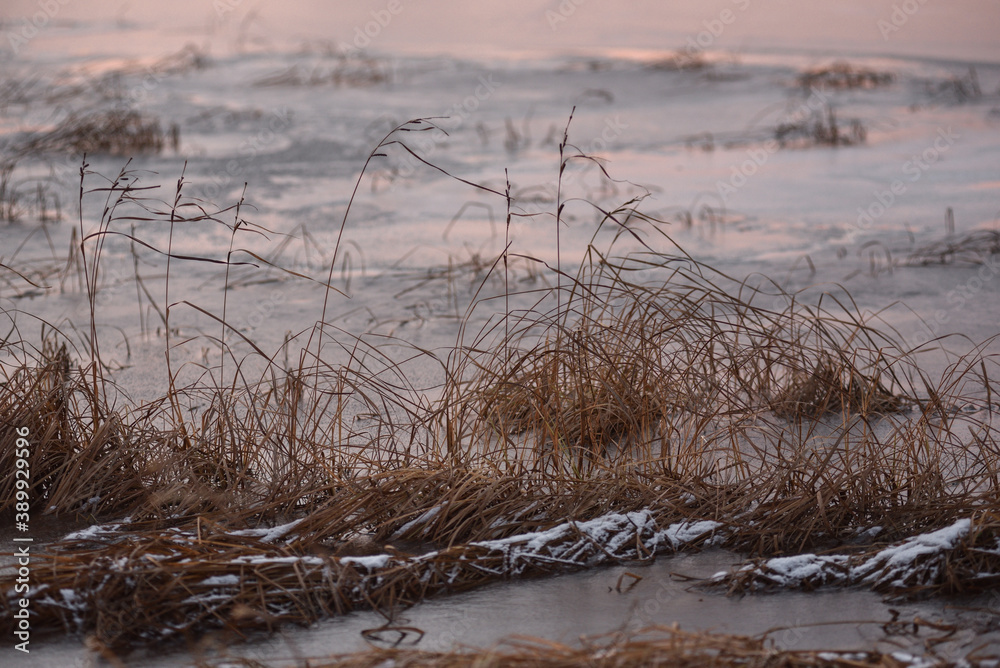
(266, 559)
(914, 661)
(863, 658)
(96, 531)
(267, 534)
(890, 567)
(685, 532)
(575, 544)
(371, 562)
(423, 518)
(572, 544)
(611, 532)
(793, 571)
(842, 656)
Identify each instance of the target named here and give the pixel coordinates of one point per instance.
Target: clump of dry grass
(90, 457)
(975, 247)
(82, 459)
(833, 386)
(822, 129)
(82, 90)
(640, 373)
(118, 132)
(354, 70)
(956, 89)
(683, 60)
(844, 76)
(17, 90)
(819, 127)
(154, 458)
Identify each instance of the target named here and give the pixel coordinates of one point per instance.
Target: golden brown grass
(643, 381)
(833, 386)
(82, 458)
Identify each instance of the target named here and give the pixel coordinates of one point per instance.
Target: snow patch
(371, 562)
(685, 532)
(267, 534)
(895, 566)
(423, 518)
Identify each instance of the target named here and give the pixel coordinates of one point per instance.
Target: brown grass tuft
(118, 132)
(833, 386)
(975, 247)
(82, 459)
(844, 76)
(822, 129)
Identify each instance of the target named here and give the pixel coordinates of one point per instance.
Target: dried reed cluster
(645, 403)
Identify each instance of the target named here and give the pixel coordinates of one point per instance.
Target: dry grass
(956, 89)
(684, 60)
(833, 386)
(844, 76)
(686, 376)
(83, 459)
(353, 70)
(822, 129)
(118, 132)
(89, 94)
(139, 585)
(643, 382)
(25, 198)
(975, 247)
(946, 562)
(799, 130)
